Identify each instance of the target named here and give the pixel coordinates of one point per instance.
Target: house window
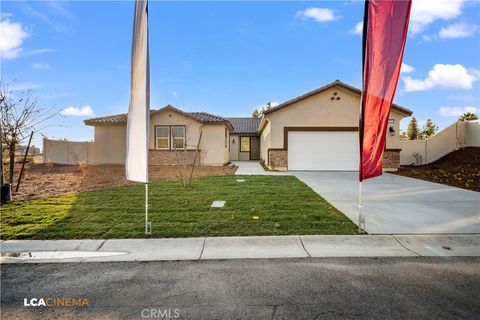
(162, 137)
(178, 137)
(244, 144)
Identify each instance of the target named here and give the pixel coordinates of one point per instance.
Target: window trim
(184, 138)
(247, 137)
(157, 137)
(170, 137)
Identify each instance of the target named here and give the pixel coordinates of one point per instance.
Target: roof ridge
(207, 113)
(112, 115)
(241, 118)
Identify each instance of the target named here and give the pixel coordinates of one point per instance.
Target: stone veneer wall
(391, 159)
(278, 159)
(167, 157)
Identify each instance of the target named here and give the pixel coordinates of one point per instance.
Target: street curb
(263, 247)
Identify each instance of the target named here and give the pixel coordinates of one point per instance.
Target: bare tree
(20, 115)
(182, 157)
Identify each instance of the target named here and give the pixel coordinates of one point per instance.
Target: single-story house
(315, 131)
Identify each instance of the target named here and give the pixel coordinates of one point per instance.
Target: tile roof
(326, 87)
(203, 117)
(116, 118)
(245, 125)
(206, 117)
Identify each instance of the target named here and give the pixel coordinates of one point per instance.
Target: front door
(254, 148)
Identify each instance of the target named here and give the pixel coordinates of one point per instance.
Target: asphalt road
(324, 288)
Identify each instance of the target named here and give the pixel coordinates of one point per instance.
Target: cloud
(406, 68)
(39, 51)
(466, 98)
(458, 30)
(60, 8)
(424, 12)
(358, 29)
(174, 94)
(456, 111)
(53, 13)
(53, 96)
(426, 38)
(317, 14)
(475, 72)
(22, 86)
(13, 34)
(41, 65)
(79, 112)
(453, 76)
(5, 15)
(122, 67)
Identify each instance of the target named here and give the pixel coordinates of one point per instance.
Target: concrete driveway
(394, 204)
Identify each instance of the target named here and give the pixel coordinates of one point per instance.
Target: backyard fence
(456, 136)
(67, 152)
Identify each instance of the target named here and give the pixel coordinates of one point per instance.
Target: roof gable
(326, 87)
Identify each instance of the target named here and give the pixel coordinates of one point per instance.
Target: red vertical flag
(385, 29)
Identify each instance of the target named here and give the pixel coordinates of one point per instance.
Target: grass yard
(261, 205)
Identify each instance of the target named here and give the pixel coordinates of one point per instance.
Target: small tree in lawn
(20, 115)
(429, 129)
(182, 153)
(413, 133)
(468, 116)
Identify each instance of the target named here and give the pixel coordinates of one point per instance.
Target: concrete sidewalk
(36, 251)
(254, 168)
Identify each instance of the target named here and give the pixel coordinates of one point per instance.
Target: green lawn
(284, 205)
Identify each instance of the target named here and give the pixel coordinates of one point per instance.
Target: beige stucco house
(315, 131)
(319, 131)
(172, 131)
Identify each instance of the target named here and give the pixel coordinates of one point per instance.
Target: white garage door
(323, 150)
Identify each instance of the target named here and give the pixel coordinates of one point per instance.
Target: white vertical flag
(136, 164)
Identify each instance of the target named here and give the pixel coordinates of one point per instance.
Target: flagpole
(361, 217)
(148, 229)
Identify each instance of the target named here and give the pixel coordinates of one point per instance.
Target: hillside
(460, 169)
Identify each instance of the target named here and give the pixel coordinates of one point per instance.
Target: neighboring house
(21, 149)
(316, 131)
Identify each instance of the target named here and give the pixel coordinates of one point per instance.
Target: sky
(228, 58)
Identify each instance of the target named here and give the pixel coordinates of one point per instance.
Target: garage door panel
(323, 150)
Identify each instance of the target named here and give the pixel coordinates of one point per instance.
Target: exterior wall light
(391, 131)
